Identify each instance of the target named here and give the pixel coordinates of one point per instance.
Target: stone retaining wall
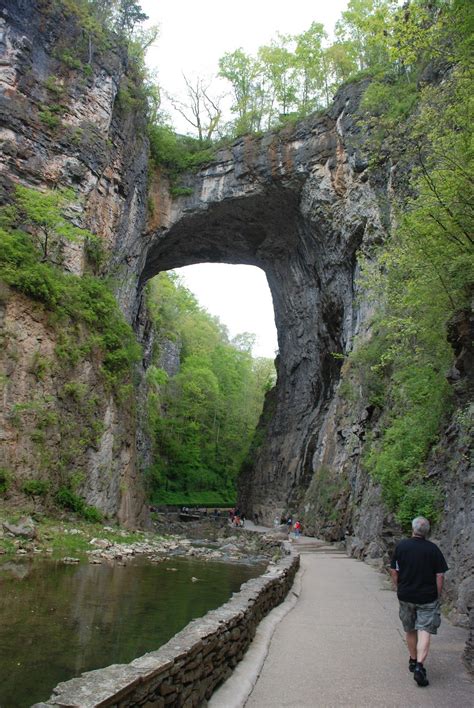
(186, 670)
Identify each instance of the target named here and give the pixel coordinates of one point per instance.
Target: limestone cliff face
(66, 122)
(452, 464)
(58, 424)
(63, 124)
(299, 205)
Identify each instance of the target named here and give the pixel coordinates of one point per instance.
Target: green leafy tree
(339, 64)
(362, 31)
(245, 76)
(432, 32)
(128, 14)
(203, 418)
(42, 213)
(279, 71)
(312, 68)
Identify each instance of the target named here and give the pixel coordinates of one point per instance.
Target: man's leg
(407, 612)
(412, 641)
(422, 646)
(422, 649)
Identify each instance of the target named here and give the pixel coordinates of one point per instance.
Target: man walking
(417, 571)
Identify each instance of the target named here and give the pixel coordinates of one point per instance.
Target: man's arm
(394, 574)
(439, 583)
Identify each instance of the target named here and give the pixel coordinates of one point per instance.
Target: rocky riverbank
(71, 540)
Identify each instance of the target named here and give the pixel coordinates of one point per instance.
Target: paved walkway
(341, 644)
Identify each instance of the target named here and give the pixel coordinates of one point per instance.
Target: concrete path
(341, 644)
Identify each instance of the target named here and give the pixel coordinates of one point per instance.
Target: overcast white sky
(193, 36)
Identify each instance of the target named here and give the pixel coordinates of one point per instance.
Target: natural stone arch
(297, 205)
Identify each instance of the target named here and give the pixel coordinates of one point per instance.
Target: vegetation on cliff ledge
(418, 115)
(33, 233)
(88, 326)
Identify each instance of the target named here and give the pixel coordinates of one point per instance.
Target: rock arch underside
(299, 203)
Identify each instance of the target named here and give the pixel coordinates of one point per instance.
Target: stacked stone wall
(185, 671)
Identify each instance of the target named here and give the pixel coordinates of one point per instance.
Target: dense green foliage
(34, 230)
(83, 308)
(424, 272)
(35, 487)
(42, 213)
(297, 74)
(104, 16)
(176, 153)
(68, 499)
(203, 418)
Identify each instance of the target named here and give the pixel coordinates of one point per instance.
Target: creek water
(58, 620)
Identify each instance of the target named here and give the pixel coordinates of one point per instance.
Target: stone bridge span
(297, 204)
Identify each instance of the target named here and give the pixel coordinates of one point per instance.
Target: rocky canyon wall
(297, 204)
(302, 204)
(64, 123)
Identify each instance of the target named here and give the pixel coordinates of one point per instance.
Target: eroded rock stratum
(297, 204)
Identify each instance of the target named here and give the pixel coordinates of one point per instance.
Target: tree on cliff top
(202, 111)
(122, 16)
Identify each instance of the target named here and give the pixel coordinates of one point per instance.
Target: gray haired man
(417, 569)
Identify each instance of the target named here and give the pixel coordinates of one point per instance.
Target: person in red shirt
(417, 569)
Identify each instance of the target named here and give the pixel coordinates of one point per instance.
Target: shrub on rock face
(422, 499)
(35, 487)
(69, 500)
(91, 513)
(32, 232)
(5, 480)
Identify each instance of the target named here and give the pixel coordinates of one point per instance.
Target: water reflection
(57, 620)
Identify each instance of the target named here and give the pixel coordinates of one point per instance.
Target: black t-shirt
(417, 561)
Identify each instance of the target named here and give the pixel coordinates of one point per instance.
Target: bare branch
(201, 110)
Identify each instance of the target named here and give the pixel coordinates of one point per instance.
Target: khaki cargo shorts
(425, 617)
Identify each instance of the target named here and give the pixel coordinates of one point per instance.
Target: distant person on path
(289, 523)
(417, 571)
(297, 529)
